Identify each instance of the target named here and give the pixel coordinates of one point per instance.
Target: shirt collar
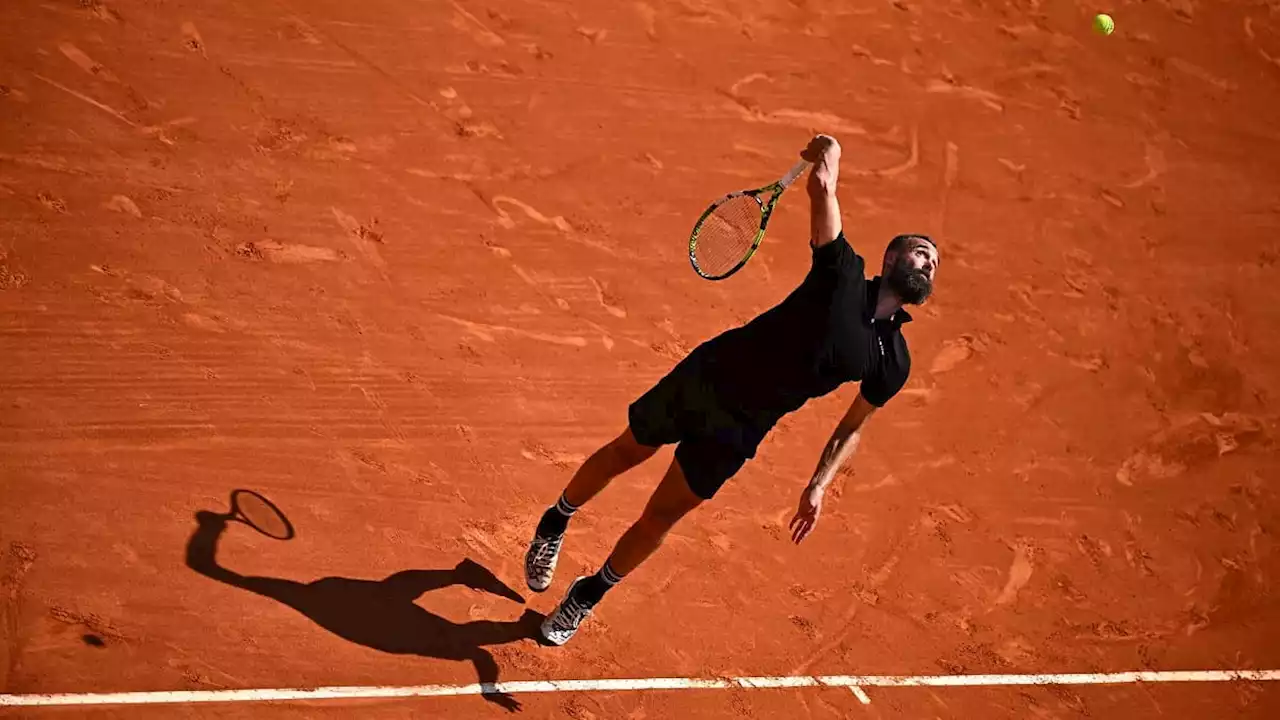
(898, 319)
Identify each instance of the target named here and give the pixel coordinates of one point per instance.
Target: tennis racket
(729, 231)
(260, 514)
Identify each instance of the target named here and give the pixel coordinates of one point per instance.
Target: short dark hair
(899, 242)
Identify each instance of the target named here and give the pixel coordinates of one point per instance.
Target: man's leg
(607, 463)
(595, 474)
(667, 506)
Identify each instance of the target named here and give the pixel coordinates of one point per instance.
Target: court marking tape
(857, 684)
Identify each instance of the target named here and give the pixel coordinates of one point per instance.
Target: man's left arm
(839, 448)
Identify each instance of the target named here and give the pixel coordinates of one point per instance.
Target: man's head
(910, 263)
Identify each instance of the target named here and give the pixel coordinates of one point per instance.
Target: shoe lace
(545, 553)
(571, 614)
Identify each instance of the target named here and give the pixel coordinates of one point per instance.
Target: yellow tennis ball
(1103, 23)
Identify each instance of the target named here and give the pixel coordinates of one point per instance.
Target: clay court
(400, 265)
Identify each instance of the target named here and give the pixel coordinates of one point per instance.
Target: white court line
(855, 683)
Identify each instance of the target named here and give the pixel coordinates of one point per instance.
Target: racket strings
(727, 235)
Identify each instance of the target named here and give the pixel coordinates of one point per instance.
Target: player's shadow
(381, 614)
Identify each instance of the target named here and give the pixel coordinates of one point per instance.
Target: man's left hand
(806, 517)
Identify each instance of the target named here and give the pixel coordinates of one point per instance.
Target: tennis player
(719, 402)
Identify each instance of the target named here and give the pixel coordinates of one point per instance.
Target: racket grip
(794, 173)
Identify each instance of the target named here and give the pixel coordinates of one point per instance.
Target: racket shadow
(381, 614)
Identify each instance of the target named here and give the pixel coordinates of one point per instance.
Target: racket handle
(794, 173)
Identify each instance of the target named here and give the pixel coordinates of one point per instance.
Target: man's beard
(911, 285)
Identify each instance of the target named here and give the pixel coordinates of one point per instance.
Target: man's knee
(625, 448)
(656, 521)
(666, 509)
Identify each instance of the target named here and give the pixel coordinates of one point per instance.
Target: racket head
(261, 514)
(727, 235)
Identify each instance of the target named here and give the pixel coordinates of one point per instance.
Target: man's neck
(887, 302)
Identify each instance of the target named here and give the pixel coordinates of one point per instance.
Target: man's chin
(912, 294)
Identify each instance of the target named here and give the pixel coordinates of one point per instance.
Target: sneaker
(560, 625)
(540, 562)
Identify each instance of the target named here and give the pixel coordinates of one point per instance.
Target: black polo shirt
(822, 335)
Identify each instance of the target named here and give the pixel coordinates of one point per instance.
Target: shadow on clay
(380, 614)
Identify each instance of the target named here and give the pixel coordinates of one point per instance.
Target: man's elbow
(849, 431)
(855, 419)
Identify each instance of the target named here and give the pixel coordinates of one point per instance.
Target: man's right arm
(824, 209)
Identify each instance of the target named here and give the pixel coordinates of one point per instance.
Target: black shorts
(714, 441)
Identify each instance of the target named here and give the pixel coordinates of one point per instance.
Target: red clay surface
(400, 265)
